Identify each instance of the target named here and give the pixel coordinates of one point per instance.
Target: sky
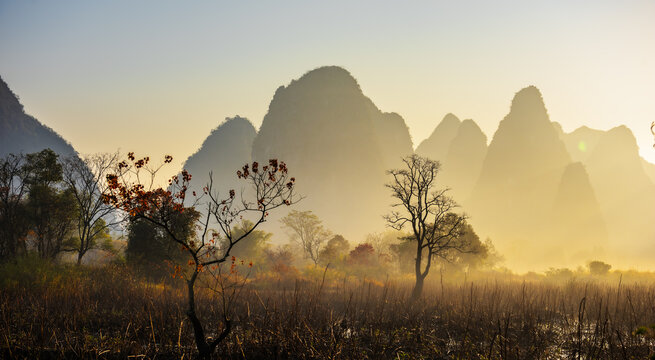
(156, 76)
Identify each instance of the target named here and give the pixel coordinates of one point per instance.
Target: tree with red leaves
(363, 254)
(131, 190)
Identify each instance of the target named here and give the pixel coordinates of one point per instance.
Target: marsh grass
(50, 311)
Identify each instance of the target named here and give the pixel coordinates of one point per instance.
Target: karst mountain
(524, 175)
(460, 147)
(338, 144)
(22, 133)
(335, 141)
(545, 197)
(227, 148)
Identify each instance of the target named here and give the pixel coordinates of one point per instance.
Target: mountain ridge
(21, 132)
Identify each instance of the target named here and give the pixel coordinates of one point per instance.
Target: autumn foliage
(269, 187)
(363, 254)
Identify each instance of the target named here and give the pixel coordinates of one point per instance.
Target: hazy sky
(157, 76)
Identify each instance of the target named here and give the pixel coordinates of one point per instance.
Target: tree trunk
(205, 349)
(81, 252)
(198, 332)
(84, 244)
(418, 288)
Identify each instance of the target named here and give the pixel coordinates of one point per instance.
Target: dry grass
(110, 312)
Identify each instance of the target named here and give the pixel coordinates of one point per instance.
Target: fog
(543, 197)
(327, 180)
(329, 217)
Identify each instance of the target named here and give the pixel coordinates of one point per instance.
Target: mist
(327, 181)
(544, 198)
(353, 209)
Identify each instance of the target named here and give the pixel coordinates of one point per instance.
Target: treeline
(309, 249)
(52, 205)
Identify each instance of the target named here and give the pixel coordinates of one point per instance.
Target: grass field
(110, 312)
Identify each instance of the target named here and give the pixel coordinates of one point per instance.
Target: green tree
(150, 246)
(254, 244)
(50, 207)
(335, 250)
(404, 253)
(476, 255)
(44, 168)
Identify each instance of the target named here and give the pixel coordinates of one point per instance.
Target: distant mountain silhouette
(544, 196)
(579, 228)
(436, 146)
(337, 144)
(393, 137)
(22, 133)
(520, 179)
(558, 128)
(551, 198)
(581, 142)
(460, 147)
(463, 162)
(624, 189)
(623, 183)
(224, 151)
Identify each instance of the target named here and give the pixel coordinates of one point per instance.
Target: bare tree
(271, 188)
(86, 179)
(381, 242)
(307, 229)
(435, 226)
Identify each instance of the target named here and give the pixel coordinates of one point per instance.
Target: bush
(599, 268)
(32, 271)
